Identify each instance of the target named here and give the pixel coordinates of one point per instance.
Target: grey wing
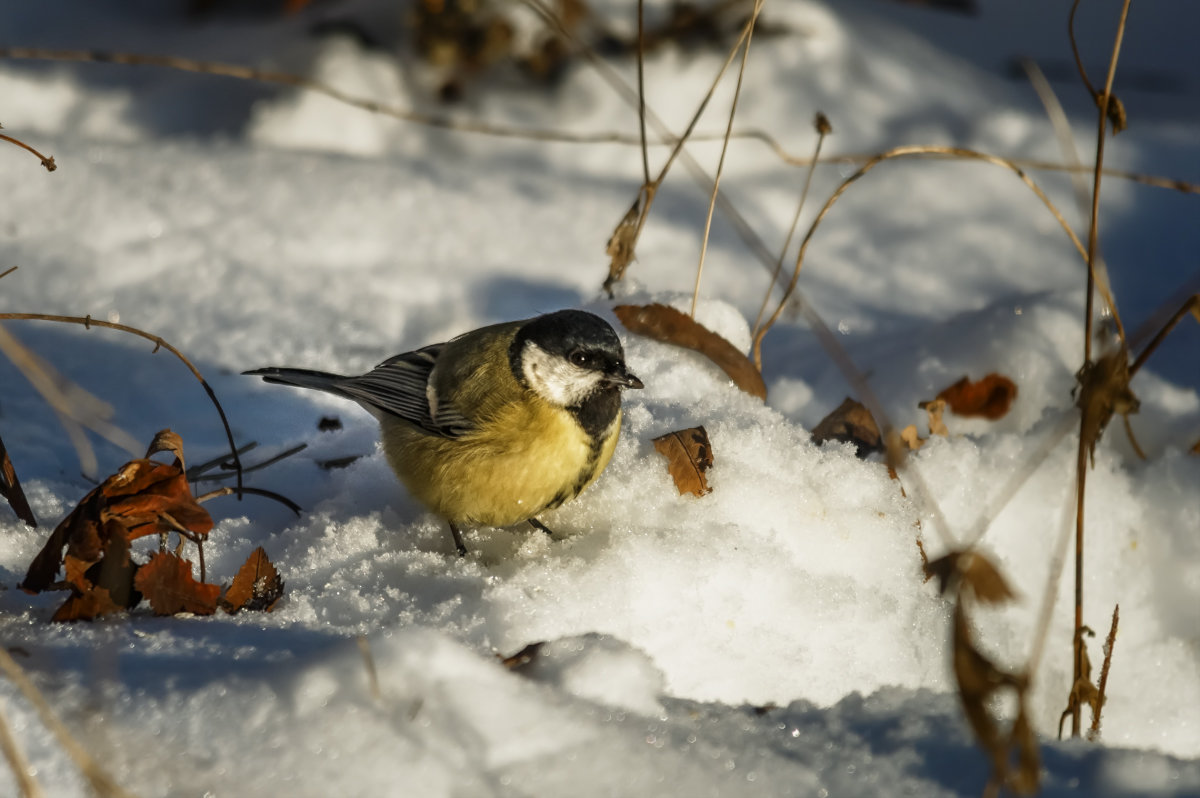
(401, 386)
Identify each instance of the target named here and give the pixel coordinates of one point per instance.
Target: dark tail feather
(303, 378)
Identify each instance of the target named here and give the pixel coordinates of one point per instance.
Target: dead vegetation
(92, 546)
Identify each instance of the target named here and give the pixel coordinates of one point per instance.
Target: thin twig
(100, 782)
(1081, 461)
(906, 152)
(47, 162)
(712, 203)
(823, 129)
(364, 647)
(1109, 643)
(75, 408)
(269, 494)
(88, 322)
(502, 131)
(641, 76)
(1066, 144)
(8, 271)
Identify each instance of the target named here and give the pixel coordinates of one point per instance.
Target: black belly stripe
(595, 415)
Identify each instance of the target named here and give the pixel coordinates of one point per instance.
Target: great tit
(498, 424)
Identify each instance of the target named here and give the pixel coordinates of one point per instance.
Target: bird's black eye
(580, 358)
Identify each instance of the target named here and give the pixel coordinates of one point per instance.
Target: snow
(772, 638)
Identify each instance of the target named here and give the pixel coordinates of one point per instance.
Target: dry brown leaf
(1103, 390)
(666, 324)
(167, 583)
(984, 579)
(935, 408)
(257, 585)
(621, 244)
(142, 491)
(970, 569)
(911, 438)
(853, 423)
(137, 498)
(689, 454)
(988, 398)
(167, 441)
(10, 489)
(523, 658)
(979, 679)
(87, 606)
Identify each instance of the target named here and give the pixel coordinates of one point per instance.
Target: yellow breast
(527, 457)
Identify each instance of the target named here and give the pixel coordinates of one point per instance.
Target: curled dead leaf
(666, 324)
(988, 398)
(853, 423)
(621, 244)
(979, 679)
(257, 585)
(167, 441)
(168, 584)
(936, 408)
(970, 570)
(912, 439)
(10, 489)
(523, 658)
(689, 454)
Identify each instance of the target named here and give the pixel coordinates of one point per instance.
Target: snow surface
(772, 638)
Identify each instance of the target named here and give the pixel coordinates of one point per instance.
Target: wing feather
(401, 386)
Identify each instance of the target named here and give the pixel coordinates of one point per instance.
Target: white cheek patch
(555, 379)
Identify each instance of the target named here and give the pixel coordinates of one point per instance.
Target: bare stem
(1081, 461)
(712, 203)
(822, 131)
(88, 322)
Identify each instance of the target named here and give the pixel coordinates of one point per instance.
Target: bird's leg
(536, 524)
(458, 541)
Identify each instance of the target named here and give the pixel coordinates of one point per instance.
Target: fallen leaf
(853, 423)
(935, 408)
(622, 242)
(971, 570)
(10, 489)
(989, 398)
(666, 324)
(87, 606)
(911, 438)
(979, 679)
(138, 497)
(689, 454)
(523, 658)
(257, 585)
(167, 583)
(167, 441)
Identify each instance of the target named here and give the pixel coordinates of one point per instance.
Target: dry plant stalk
(623, 242)
(1104, 385)
(101, 783)
(737, 93)
(1109, 642)
(904, 152)
(240, 72)
(47, 161)
(75, 408)
(88, 322)
(823, 128)
(10, 489)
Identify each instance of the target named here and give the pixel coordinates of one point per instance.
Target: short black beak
(623, 378)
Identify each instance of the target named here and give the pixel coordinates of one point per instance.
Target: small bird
(499, 424)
